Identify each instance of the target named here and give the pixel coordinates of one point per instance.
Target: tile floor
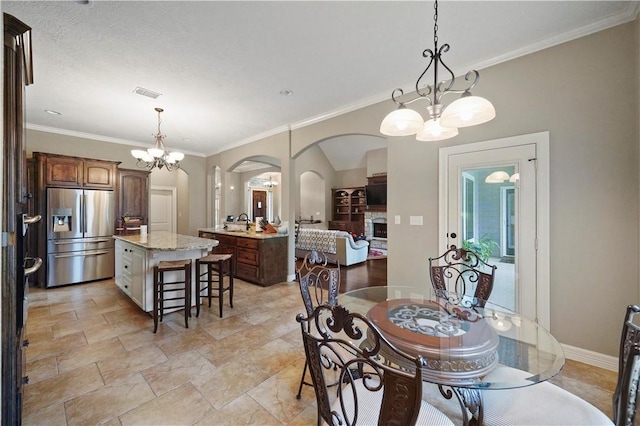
(93, 359)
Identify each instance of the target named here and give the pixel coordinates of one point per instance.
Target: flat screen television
(376, 195)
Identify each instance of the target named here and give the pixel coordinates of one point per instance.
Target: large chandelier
(158, 156)
(443, 123)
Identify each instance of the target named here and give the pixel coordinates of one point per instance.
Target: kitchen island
(136, 255)
(258, 257)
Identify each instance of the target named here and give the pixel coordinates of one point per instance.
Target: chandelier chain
(435, 23)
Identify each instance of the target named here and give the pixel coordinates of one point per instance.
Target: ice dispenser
(61, 219)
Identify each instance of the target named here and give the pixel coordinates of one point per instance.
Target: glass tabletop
(477, 348)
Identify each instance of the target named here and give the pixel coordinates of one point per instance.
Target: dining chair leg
(304, 373)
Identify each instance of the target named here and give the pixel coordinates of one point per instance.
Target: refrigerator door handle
(83, 213)
(28, 220)
(97, 240)
(33, 268)
(75, 254)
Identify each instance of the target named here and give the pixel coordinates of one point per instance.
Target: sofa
(339, 246)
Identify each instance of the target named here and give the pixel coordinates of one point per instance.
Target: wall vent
(146, 92)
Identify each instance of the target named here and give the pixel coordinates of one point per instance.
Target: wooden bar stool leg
(198, 287)
(187, 294)
(209, 282)
(230, 283)
(156, 288)
(220, 285)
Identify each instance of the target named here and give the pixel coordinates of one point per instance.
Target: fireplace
(379, 230)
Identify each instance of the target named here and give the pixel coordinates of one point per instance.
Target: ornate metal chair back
(459, 271)
(370, 388)
(319, 283)
(626, 393)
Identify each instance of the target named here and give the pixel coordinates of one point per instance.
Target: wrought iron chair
(369, 390)
(626, 393)
(319, 284)
(456, 272)
(555, 406)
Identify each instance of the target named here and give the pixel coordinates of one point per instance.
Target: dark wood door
(259, 204)
(17, 73)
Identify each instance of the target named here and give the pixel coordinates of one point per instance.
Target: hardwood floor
(93, 359)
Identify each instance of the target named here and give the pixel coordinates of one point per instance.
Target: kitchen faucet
(246, 218)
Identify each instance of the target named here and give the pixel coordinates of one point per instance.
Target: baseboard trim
(596, 359)
(291, 277)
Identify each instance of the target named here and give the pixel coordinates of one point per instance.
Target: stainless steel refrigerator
(80, 225)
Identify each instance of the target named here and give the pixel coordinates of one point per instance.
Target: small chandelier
(271, 183)
(443, 123)
(158, 156)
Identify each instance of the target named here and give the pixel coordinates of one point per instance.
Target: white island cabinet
(136, 255)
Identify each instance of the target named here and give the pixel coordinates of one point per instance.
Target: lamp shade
(177, 156)
(402, 122)
(433, 131)
(467, 111)
(497, 177)
(138, 153)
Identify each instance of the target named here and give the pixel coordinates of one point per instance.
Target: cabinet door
(99, 174)
(133, 194)
(64, 171)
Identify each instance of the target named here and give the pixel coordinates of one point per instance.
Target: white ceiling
(221, 65)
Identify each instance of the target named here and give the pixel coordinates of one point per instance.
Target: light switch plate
(397, 219)
(415, 220)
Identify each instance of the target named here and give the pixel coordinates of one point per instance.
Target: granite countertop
(246, 234)
(168, 241)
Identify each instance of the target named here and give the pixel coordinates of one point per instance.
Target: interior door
(259, 203)
(162, 209)
(492, 206)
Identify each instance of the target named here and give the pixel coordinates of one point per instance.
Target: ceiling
(220, 66)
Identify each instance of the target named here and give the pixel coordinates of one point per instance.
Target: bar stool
(223, 264)
(160, 287)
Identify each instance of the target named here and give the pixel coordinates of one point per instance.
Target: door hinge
(536, 243)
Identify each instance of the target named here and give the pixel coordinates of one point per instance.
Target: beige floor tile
(185, 342)
(89, 354)
(42, 369)
(51, 416)
(275, 356)
(39, 334)
(108, 331)
(61, 388)
(144, 337)
(64, 328)
(108, 401)
(43, 349)
(227, 326)
(125, 314)
(182, 406)
(308, 416)
(76, 305)
(277, 394)
(175, 372)
(228, 382)
(230, 348)
(37, 312)
(242, 411)
(51, 320)
(137, 360)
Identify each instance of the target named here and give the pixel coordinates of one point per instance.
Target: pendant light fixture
(443, 123)
(158, 156)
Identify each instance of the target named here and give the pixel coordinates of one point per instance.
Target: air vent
(146, 92)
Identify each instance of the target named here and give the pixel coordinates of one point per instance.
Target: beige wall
(351, 177)
(314, 160)
(193, 202)
(376, 161)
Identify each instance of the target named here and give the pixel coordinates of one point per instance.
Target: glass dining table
(467, 350)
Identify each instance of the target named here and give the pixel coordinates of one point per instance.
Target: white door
(490, 202)
(162, 209)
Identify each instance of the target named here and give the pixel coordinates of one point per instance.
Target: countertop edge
(168, 242)
(243, 234)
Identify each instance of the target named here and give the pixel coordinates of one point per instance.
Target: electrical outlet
(415, 220)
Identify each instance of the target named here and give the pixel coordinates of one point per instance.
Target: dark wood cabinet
(349, 205)
(260, 261)
(75, 172)
(133, 194)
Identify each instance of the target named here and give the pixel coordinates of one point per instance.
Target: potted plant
(484, 247)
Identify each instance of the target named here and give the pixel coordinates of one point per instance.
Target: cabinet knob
(126, 267)
(25, 380)
(25, 343)
(126, 286)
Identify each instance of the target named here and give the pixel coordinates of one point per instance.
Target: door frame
(541, 141)
(174, 204)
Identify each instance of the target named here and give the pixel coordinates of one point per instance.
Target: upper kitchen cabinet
(133, 194)
(61, 170)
